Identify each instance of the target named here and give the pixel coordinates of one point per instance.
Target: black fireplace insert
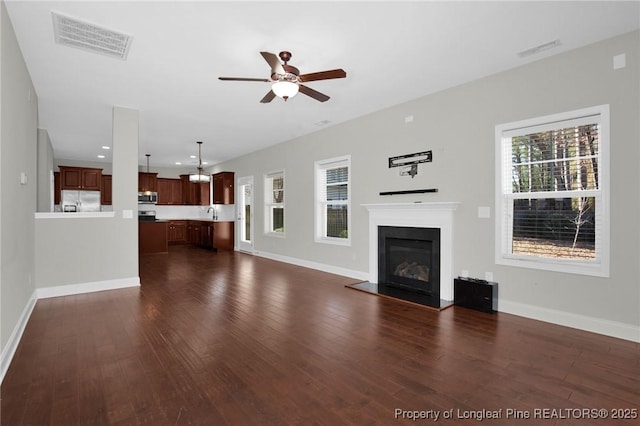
(409, 259)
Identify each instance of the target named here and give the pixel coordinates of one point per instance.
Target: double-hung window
(333, 194)
(552, 205)
(274, 203)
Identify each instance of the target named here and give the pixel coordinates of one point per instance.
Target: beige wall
(458, 126)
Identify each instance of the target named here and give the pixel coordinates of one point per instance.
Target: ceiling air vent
(87, 36)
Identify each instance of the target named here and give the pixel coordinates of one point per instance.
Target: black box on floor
(477, 294)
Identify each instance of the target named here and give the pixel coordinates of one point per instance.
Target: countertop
(205, 219)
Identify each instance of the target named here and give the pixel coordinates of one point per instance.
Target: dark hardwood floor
(228, 338)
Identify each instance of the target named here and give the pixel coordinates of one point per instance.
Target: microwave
(147, 197)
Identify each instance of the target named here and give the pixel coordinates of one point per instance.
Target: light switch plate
(127, 214)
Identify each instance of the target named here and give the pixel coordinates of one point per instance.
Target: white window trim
(598, 268)
(320, 224)
(267, 205)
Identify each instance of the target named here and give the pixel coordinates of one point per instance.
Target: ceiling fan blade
(323, 75)
(313, 93)
(274, 63)
(243, 79)
(268, 97)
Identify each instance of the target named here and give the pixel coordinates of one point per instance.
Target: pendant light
(147, 191)
(200, 176)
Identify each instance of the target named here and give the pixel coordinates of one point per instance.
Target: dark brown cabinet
(169, 191)
(88, 179)
(106, 194)
(152, 237)
(147, 182)
(194, 193)
(178, 232)
(56, 188)
(223, 235)
(223, 192)
(202, 233)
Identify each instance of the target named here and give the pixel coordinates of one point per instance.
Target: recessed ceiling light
(205, 163)
(192, 156)
(100, 156)
(106, 147)
(178, 163)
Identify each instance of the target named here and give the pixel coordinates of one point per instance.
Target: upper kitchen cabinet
(169, 191)
(106, 195)
(194, 193)
(147, 182)
(223, 188)
(88, 179)
(56, 188)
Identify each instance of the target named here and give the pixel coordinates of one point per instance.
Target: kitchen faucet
(214, 216)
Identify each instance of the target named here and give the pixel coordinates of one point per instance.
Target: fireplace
(427, 230)
(409, 259)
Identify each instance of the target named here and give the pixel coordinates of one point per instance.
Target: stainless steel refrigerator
(80, 201)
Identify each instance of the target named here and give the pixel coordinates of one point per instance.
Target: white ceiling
(392, 52)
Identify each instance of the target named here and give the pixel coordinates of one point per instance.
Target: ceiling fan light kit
(285, 89)
(287, 80)
(200, 176)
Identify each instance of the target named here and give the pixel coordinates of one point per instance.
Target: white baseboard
(595, 325)
(71, 289)
(358, 275)
(12, 344)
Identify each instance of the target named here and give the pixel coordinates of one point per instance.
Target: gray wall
(458, 126)
(89, 250)
(45, 169)
(18, 140)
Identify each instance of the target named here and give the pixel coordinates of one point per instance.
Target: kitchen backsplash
(224, 212)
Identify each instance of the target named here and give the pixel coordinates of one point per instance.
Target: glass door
(245, 214)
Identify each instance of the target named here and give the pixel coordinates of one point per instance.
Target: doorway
(245, 214)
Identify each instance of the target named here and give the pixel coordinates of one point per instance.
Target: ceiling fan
(287, 80)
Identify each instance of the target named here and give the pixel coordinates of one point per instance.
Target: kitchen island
(153, 237)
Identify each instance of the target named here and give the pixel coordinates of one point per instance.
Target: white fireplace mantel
(420, 215)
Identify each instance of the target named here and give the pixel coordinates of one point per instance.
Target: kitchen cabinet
(194, 193)
(152, 237)
(223, 192)
(56, 188)
(169, 191)
(82, 178)
(223, 235)
(202, 233)
(106, 194)
(178, 232)
(147, 182)
(206, 235)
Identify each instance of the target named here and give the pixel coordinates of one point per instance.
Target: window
(274, 203)
(552, 203)
(333, 194)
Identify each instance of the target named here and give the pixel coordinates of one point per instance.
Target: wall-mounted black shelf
(411, 191)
